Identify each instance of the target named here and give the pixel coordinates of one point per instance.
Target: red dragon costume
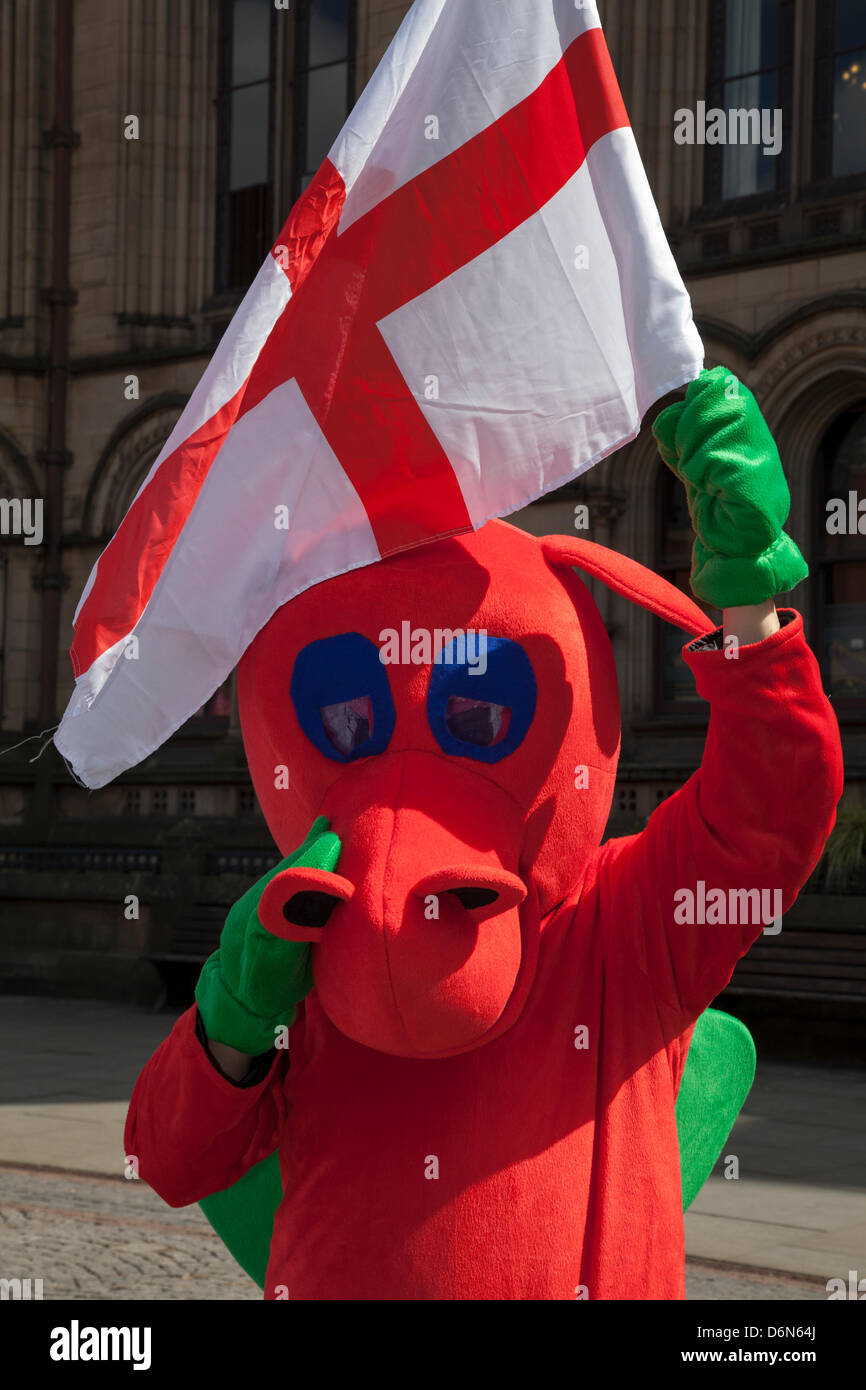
(479, 1096)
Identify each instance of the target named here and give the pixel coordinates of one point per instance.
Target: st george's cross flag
(472, 303)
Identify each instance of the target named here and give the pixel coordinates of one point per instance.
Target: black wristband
(259, 1067)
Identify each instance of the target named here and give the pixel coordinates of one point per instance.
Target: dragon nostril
(474, 897)
(310, 909)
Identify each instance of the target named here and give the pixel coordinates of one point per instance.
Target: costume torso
(527, 1134)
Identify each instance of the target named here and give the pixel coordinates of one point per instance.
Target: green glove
(717, 442)
(253, 983)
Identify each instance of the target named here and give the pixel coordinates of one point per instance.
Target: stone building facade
(149, 151)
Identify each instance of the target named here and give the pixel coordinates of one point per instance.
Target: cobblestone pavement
(93, 1237)
(707, 1281)
(103, 1238)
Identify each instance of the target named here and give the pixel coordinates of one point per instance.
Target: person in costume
(503, 1078)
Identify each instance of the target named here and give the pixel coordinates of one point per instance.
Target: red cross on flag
(473, 302)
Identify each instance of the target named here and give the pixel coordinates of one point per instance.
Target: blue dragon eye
(342, 698)
(482, 697)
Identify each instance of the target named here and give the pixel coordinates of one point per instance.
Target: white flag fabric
(472, 303)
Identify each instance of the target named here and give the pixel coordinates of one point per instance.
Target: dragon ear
(627, 577)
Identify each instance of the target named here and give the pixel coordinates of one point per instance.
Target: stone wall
(789, 317)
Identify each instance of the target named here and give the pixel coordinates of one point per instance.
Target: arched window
(126, 461)
(246, 117)
(840, 569)
(750, 72)
(324, 81)
(838, 149)
(319, 53)
(21, 520)
(675, 684)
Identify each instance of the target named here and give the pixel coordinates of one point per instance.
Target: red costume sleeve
(755, 815)
(193, 1131)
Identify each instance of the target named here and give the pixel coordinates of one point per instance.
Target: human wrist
(235, 1065)
(750, 623)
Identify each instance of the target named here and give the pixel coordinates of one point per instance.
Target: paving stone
(96, 1238)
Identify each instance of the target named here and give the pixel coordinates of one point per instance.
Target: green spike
(243, 1215)
(719, 1072)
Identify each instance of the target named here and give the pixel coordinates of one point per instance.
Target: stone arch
(125, 462)
(19, 566)
(749, 346)
(16, 476)
(805, 381)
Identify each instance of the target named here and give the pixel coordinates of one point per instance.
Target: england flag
(472, 303)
